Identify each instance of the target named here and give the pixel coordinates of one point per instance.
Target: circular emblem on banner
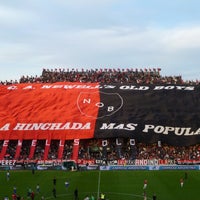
(99, 104)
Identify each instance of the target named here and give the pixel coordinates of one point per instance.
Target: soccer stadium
(104, 134)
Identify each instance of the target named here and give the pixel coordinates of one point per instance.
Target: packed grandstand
(99, 116)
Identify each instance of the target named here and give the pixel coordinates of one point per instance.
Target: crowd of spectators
(68, 149)
(130, 75)
(39, 150)
(168, 152)
(25, 149)
(11, 149)
(93, 149)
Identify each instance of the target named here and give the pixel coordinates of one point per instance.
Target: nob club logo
(99, 104)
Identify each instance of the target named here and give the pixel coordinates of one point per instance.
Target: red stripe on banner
(46, 150)
(61, 148)
(32, 149)
(75, 150)
(57, 111)
(4, 149)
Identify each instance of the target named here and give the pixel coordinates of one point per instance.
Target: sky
(90, 34)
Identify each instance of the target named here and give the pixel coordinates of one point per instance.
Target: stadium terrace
(38, 122)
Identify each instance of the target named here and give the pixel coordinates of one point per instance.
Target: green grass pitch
(117, 185)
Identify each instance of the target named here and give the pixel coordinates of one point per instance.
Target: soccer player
(54, 181)
(181, 182)
(66, 184)
(14, 190)
(102, 196)
(29, 191)
(76, 194)
(38, 188)
(33, 169)
(145, 195)
(86, 197)
(92, 197)
(32, 195)
(8, 175)
(186, 176)
(14, 196)
(54, 192)
(145, 184)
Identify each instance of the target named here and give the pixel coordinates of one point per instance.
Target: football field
(117, 185)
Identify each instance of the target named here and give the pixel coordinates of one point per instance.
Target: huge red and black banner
(147, 113)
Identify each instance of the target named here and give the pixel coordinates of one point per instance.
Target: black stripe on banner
(150, 113)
